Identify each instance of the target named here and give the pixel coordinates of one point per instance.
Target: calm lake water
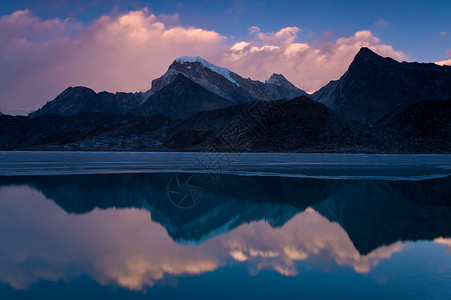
(224, 226)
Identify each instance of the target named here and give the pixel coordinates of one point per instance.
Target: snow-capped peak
(221, 71)
(280, 80)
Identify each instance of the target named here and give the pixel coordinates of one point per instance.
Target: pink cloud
(124, 252)
(444, 62)
(309, 67)
(381, 24)
(283, 34)
(254, 29)
(40, 58)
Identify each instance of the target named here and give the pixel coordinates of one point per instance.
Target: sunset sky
(48, 45)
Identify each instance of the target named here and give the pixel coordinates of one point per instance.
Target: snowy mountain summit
(280, 80)
(190, 85)
(225, 83)
(221, 71)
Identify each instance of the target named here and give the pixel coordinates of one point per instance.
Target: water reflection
(122, 229)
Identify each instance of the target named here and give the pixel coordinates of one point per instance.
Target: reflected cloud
(444, 241)
(121, 246)
(42, 242)
(306, 235)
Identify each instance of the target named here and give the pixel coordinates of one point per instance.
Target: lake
(224, 226)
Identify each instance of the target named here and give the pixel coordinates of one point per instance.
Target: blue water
(254, 229)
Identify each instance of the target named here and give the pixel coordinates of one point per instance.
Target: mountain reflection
(262, 222)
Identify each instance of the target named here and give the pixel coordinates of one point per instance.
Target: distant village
(102, 143)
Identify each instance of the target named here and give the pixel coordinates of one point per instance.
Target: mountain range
(227, 84)
(378, 106)
(372, 87)
(298, 125)
(190, 85)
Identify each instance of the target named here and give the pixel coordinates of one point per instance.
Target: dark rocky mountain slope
(182, 98)
(373, 86)
(78, 99)
(424, 124)
(82, 131)
(298, 125)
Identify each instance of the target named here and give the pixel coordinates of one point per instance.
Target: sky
(119, 45)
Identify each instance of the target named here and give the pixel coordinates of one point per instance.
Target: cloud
(24, 25)
(444, 62)
(237, 8)
(443, 33)
(307, 66)
(381, 24)
(254, 29)
(287, 33)
(40, 58)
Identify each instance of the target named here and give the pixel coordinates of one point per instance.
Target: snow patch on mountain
(221, 71)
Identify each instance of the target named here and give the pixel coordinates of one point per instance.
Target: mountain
(373, 86)
(424, 124)
(227, 84)
(78, 99)
(1, 114)
(182, 98)
(278, 87)
(297, 125)
(190, 85)
(300, 124)
(304, 125)
(83, 131)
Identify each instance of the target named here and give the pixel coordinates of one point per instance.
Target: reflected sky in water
(141, 246)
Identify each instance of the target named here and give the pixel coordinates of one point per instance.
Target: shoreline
(230, 152)
(301, 165)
